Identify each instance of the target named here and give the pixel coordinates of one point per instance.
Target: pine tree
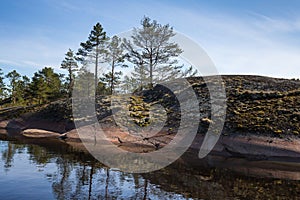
(114, 56)
(112, 79)
(37, 89)
(2, 86)
(84, 86)
(21, 89)
(102, 88)
(70, 64)
(45, 85)
(93, 50)
(24, 88)
(18, 87)
(14, 78)
(141, 77)
(129, 84)
(152, 50)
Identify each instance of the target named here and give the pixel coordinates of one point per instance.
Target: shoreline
(271, 161)
(244, 145)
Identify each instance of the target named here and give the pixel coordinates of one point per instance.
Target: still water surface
(55, 171)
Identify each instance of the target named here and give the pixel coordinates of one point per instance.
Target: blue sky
(241, 37)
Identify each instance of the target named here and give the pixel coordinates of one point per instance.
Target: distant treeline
(149, 54)
(45, 86)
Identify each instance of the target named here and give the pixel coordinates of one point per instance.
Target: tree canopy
(152, 52)
(2, 85)
(149, 53)
(45, 85)
(70, 64)
(94, 49)
(115, 57)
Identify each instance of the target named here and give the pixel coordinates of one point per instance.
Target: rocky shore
(262, 120)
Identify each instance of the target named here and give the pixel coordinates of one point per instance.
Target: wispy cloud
(254, 44)
(9, 62)
(247, 43)
(32, 51)
(271, 24)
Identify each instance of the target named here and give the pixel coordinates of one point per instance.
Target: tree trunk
(96, 69)
(145, 189)
(112, 77)
(106, 183)
(151, 74)
(151, 70)
(71, 83)
(91, 181)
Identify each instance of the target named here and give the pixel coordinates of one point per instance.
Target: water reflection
(8, 154)
(69, 175)
(57, 171)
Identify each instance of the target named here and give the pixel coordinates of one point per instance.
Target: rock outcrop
(262, 118)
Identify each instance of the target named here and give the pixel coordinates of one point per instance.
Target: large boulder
(38, 133)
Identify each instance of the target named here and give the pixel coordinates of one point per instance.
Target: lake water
(55, 171)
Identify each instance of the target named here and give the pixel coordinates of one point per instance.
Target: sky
(258, 37)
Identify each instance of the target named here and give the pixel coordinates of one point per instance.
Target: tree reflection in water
(78, 176)
(8, 154)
